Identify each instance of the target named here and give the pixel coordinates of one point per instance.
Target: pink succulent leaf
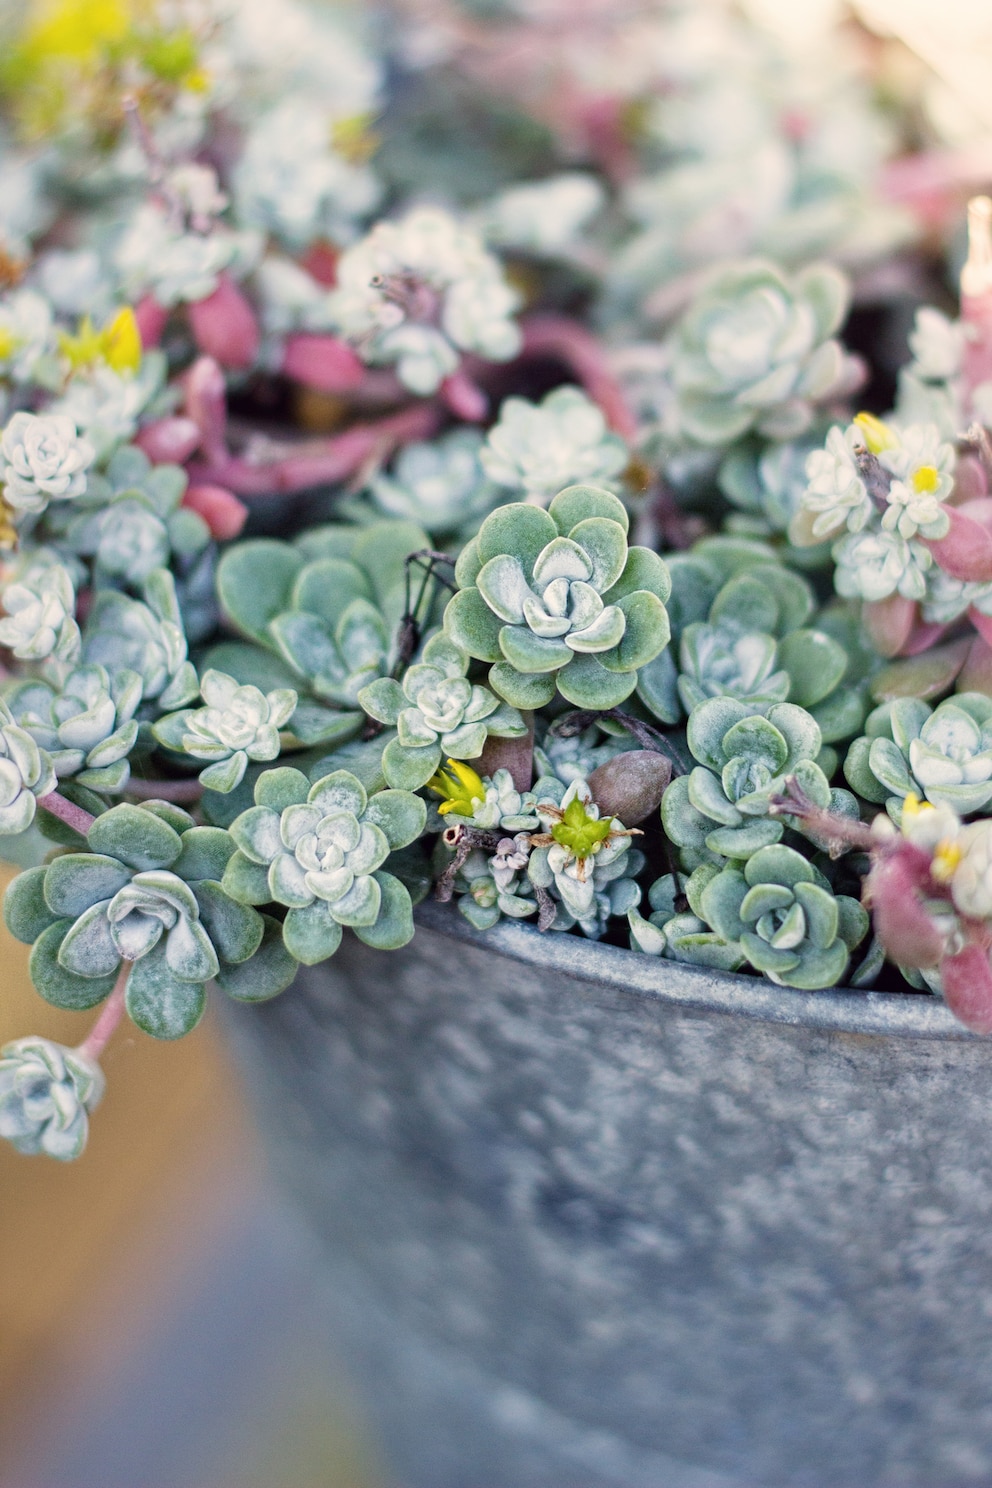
(909, 933)
(152, 319)
(971, 482)
(223, 513)
(976, 674)
(466, 400)
(206, 405)
(923, 636)
(890, 623)
(224, 326)
(982, 623)
(967, 982)
(966, 551)
(322, 362)
(169, 441)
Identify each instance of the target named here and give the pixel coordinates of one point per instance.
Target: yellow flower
(877, 435)
(118, 343)
(460, 786)
(354, 139)
(80, 30)
(926, 478)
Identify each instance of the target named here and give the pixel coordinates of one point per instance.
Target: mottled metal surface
(598, 1220)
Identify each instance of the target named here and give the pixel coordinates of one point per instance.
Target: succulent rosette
(557, 600)
(46, 1095)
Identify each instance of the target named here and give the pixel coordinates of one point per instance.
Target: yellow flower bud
(877, 435)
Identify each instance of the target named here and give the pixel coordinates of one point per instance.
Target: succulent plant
(86, 726)
(440, 486)
(42, 459)
(754, 351)
(145, 637)
(46, 1095)
(146, 890)
(419, 292)
(721, 807)
(487, 803)
(944, 754)
(236, 724)
(679, 934)
(785, 917)
(556, 599)
(583, 857)
(536, 449)
(329, 610)
(26, 772)
(40, 618)
(319, 850)
(436, 711)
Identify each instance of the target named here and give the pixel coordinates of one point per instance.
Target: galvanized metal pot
(593, 1219)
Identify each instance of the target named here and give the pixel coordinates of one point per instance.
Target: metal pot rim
(673, 983)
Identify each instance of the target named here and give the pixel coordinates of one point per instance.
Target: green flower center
(579, 831)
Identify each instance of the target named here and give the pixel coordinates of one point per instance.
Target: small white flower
(197, 187)
(154, 256)
(971, 880)
(924, 469)
(875, 565)
(40, 616)
(836, 491)
(539, 448)
(509, 858)
(418, 292)
(43, 459)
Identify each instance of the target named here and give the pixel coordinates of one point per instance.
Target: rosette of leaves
(721, 807)
(131, 520)
(323, 614)
(319, 850)
(674, 928)
(943, 754)
(147, 890)
(436, 712)
(237, 723)
(441, 486)
(144, 636)
(26, 772)
(755, 350)
(86, 727)
(786, 918)
(582, 858)
(556, 599)
(46, 1095)
(486, 893)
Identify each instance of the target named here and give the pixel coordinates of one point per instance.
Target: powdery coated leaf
(643, 569)
(827, 291)
(234, 929)
(311, 934)
(528, 652)
(815, 664)
(254, 580)
(383, 700)
(327, 587)
(707, 794)
(281, 787)
(256, 834)
(887, 764)
(779, 865)
(394, 925)
(188, 951)
(205, 854)
(757, 741)
(338, 791)
(265, 974)
(58, 986)
(136, 836)
(522, 690)
(646, 632)
(88, 950)
(160, 1003)
(707, 725)
(588, 684)
(250, 665)
(409, 769)
(226, 775)
(799, 730)
(246, 881)
(683, 824)
(360, 905)
(721, 902)
(74, 881)
(399, 815)
(26, 911)
(518, 529)
(740, 842)
(581, 503)
(471, 624)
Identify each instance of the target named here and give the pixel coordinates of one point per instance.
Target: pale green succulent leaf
(265, 974)
(254, 581)
(393, 926)
(587, 683)
(62, 988)
(582, 503)
(137, 837)
(26, 911)
(75, 881)
(235, 929)
(159, 1002)
(311, 934)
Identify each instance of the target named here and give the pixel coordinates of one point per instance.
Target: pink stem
(465, 398)
(278, 471)
(165, 790)
(557, 336)
(73, 816)
(110, 1016)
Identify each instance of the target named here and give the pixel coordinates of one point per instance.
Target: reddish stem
(110, 1016)
(281, 470)
(557, 336)
(74, 816)
(178, 791)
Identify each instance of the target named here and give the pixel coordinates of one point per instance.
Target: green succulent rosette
(785, 917)
(556, 600)
(943, 754)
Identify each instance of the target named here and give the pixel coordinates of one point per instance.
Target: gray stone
(600, 1221)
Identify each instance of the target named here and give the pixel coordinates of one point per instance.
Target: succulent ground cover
(533, 500)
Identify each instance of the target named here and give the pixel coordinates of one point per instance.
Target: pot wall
(597, 1220)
